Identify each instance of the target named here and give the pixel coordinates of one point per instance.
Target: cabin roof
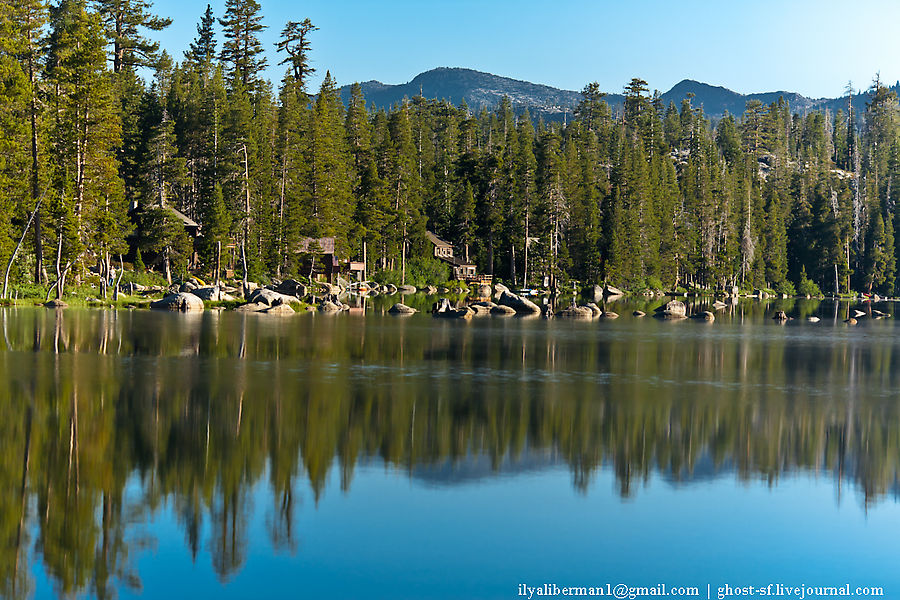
(188, 222)
(437, 241)
(326, 244)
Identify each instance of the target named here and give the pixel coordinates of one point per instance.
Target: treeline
(644, 196)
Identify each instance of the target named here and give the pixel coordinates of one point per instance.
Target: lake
(228, 455)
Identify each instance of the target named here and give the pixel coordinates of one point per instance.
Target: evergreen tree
(124, 20)
(202, 50)
(242, 49)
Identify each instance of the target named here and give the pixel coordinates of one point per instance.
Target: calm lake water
(224, 455)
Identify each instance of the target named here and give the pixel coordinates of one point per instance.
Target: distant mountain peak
(485, 90)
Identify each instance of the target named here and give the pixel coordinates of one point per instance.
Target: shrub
(807, 287)
(786, 287)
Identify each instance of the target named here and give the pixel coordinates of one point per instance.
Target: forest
(102, 133)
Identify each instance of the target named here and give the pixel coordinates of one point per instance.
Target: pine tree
(295, 43)
(123, 20)
(242, 48)
(88, 192)
(202, 50)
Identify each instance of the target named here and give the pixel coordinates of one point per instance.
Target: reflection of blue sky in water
(391, 538)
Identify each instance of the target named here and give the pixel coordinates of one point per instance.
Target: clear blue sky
(809, 46)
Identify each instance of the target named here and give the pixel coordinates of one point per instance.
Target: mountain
(479, 89)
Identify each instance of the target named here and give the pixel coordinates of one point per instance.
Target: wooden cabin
(321, 252)
(462, 270)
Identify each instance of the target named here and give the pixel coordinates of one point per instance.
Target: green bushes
(807, 287)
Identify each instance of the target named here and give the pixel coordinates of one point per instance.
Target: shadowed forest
(102, 132)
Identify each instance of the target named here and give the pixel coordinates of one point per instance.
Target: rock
(858, 313)
(611, 291)
(876, 298)
(674, 309)
(484, 291)
(596, 310)
(279, 309)
(480, 310)
(443, 310)
(639, 313)
(718, 305)
(181, 301)
(389, 289)
(576, 312)
(252, 307)
(608, 314)
(407, 289)
(327, 306)
(270, 297)
(291, 287)
(188, 286)
(401, 309)
(813, 319)
(56, 303)
(519, 304)
(485, 303)
(705, 315)
(593, 293)
(502, 311)
(430, 290)
(880, 314)
(500, 288)
(211, 293)
(851, 321)
(443, 290)
(780, 316)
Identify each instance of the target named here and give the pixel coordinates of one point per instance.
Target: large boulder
(500, 288)
(612, 291)
(401, 309)
(705, 315)
(252, 307)
(484, 291)
(443, 310)
(519, 304)
(291, 287)
(270, 297)
(328, 306)
(594, 308)
(674, 309)
(430, 290)
(212, 293)
(279, 309)
(181, 301)
(502, 311)
(480, 309)
(56, 303)
(407, 289)
(594, 293)
(188, 286)
(576, 312)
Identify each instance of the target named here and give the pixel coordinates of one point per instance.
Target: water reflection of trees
(196, 409)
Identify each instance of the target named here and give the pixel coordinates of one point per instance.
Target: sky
(814, 47)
